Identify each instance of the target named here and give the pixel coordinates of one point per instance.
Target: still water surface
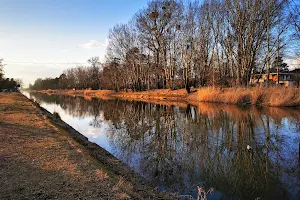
(180, 148)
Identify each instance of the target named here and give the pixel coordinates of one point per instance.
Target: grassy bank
(63, 92)
(44, 158)
(271, 96)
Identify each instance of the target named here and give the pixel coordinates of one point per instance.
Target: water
(180, 148)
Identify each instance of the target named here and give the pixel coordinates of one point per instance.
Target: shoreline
(117, 111)
(271, 96)
(117, 172)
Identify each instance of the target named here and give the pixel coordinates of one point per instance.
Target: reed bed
(266, 96)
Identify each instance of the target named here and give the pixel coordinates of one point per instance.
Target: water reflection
(178, 148)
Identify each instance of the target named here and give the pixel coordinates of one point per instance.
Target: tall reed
(268, 96)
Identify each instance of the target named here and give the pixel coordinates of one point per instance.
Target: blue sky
(57, 31)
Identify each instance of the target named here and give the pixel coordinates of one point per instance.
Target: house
(288, 78)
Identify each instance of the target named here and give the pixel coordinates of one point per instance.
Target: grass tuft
(101, 174)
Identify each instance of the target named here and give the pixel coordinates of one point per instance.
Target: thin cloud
(93, 44)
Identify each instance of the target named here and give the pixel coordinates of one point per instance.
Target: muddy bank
(43, 157)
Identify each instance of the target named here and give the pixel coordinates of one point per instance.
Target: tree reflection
(180, 148)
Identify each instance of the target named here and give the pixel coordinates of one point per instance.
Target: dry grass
(103, 94)
(272, 96)
(122, 196)
(148, 96)
(282, 97)
(61, 92)
(122, 184)
(161, 95)
(43, 161)
(101, 174)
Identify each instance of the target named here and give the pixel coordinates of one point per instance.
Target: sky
(55, 34)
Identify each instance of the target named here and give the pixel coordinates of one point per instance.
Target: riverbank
(271, 96)
(44, 158)
(63, 92)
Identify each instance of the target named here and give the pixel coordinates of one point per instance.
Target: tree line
(80, 77)
(181, 44)
(7, 83)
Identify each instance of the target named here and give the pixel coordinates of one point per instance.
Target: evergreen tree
(282, 66)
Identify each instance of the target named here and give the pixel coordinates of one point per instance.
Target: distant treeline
(7, 83)
(81, 77)
(175, 44)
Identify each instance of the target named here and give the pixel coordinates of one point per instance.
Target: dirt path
(39, 160)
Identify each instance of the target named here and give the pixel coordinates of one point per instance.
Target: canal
(231, 152)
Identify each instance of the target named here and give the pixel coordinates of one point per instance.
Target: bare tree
(179, 44)
(156, 25)
(1, 69)
(94, 72)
